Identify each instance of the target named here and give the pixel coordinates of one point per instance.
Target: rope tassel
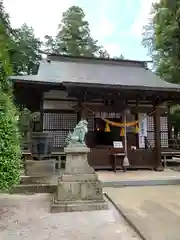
(137, 129)
(107, 128)
(122, 132)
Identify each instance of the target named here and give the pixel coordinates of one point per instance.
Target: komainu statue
(78, 135)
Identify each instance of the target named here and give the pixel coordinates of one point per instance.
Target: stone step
(33, 188)
(136, 183)
(40, 179)
(78, 206)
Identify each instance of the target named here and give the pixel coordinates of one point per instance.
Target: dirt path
(28, 217)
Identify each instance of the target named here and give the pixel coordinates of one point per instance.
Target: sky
(116, 24)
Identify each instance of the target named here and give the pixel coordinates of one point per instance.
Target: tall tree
(10, 156)
(74, 37)
(26, 51)
(23, 46)
(161, 37)
(50, 44)
(74, 34)
(4, 17)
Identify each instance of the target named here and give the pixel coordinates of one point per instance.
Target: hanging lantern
(122, 132)
(107, 128)
(136, 129)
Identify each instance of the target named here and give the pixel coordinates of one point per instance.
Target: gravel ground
(25, 217)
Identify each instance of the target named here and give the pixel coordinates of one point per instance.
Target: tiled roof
(122, 73)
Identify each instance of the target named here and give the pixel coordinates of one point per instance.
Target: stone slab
(77, 149)
(68, 191)
(78, 177)
(41, 167)
(154, 211)
(139, 178)
(77, 163)
(33, 189)
(78, 206)
(38, 179)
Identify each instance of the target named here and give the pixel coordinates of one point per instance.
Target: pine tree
(74, 37)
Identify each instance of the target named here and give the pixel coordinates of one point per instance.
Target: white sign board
(117, 144)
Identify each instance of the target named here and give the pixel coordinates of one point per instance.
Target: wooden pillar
(137, 119)
(81, 110)
(157, 138)
(170, 145)
(41, 110)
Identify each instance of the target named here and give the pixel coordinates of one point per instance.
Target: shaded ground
(155, 211)
(28, 217)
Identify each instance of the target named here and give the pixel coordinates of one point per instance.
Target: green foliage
(74, 37)
(175, 116)
(10, 154)
(74, 34)
(4, 17)
(25, 51)
(23, 46)
(5, 69)
(161, 37)
(121, 57)
(102, 53)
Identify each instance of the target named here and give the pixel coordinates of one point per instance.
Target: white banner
(142, 129)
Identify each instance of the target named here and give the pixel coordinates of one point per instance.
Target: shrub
(10, 153)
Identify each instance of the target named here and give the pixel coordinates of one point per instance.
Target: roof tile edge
(111, 61)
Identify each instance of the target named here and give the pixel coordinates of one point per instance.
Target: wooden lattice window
(164, 131)
(59, 124)
(150, 130)
(90, 119)
(111, 115)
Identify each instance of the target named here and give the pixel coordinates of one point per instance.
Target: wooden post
(157, 138)
(137, 119)
(80, 113)
(41, 111)
(170, 145)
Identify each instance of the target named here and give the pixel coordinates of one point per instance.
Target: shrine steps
(33, 188)
(36, 184)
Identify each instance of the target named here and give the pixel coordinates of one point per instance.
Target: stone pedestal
(78, 186)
